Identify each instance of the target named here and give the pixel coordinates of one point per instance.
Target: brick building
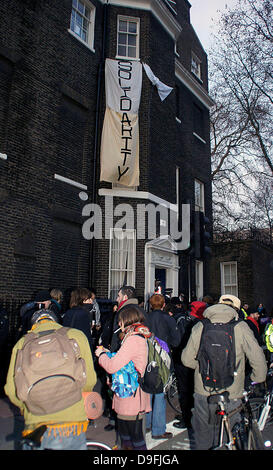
(242, 264)
(52, 103)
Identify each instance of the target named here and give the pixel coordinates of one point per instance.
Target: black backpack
(216, 355)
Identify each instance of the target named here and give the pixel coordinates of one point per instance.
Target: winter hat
(252, 310)
(197, 309)
(42, 296)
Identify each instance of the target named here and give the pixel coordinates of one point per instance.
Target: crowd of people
(108, 342)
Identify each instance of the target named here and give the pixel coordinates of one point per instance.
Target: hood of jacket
(220, 313)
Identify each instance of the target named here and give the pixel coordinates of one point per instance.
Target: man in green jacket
(65, 428)
(246, 346)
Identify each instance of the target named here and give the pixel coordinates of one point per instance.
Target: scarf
(255, 323)
(135, 328)
(121, 304)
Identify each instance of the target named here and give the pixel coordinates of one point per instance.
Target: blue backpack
(125, 380)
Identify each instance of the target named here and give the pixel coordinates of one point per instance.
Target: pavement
(12, 424)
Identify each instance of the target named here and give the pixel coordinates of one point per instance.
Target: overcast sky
(201, 13)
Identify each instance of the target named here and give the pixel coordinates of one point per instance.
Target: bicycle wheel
(255, 438)
(172, 396)
(93, 445)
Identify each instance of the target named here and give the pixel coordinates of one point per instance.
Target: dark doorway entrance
(160, 275)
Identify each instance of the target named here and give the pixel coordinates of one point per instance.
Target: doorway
(160, 275)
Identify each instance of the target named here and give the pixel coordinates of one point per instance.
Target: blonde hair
(56, 294)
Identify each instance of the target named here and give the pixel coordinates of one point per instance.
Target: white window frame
(196, 65)
(133, 20)
(91, 22)
(121, 234)
(225, 287)
(199, 198)
(199, 279)
(177, 184)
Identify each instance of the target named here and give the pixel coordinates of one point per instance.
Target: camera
(40, 305)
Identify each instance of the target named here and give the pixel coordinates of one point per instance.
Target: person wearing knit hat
(197, 308)
(42, 296)
(253, 323)
(41, 300)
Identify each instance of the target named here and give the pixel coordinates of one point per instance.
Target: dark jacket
(78, 317)
(27, 311)
(115, 340)
(164, 327)
(185, 323)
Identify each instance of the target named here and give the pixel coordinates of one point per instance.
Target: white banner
(120, 135)
(123, 82)
(163, 90)
(120, 148)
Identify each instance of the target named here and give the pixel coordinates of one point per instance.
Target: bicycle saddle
(219, 397)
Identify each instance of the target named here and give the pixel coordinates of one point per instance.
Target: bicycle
(94, 445)
(172, 394)
(33, 441)
(262, 407)
(245, 434)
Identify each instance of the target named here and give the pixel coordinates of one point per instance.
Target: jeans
(60, 442)
(156, 419)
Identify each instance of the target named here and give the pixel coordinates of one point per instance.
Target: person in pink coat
(130, 410)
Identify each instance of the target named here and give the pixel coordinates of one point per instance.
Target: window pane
(81, 7)
(227, 274)
(87, 12)
(132, 27)
(122, 25)
(131, 52)
(122, 50)
(122, 38)
(78, 19)
(77, 29)
(131, 40)
(233, 273)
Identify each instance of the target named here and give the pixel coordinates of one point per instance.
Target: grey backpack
(49, 372)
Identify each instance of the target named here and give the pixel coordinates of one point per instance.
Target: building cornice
(137, 195)
(157, 8)
(188, 80)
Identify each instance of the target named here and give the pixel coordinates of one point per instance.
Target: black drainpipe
(96, 143)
